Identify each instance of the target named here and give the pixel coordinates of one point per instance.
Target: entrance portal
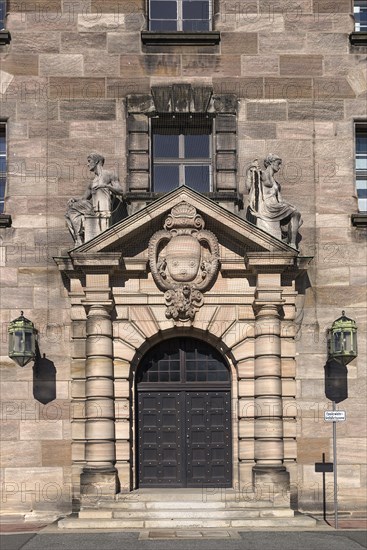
(184, 416)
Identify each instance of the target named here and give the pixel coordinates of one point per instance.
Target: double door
(184, 438)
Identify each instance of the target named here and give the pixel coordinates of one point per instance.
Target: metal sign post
(335, 416)
(335, 472)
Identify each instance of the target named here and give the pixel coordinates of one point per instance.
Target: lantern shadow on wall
(24, 348)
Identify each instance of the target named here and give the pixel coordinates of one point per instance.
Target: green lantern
(343, 340)
(22, 340)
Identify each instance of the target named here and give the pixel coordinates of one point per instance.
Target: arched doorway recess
(184, 416)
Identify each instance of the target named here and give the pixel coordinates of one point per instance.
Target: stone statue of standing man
(96, 203)
(266, 205)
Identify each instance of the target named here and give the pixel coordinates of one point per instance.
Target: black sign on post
(324, 467)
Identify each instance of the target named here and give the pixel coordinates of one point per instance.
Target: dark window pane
(153, 377)
(165, 146)
(197, 147)
(2, 188)
(175, 376)
(163, 10)
(159, 25)
(195, 25)
(190, 376)
(2, 140)
(2, 14)
(165, 178)
(164, 376)
(195, 9)
(362, 193)
(201, 376)
(197, 177)
(2, 165)
(361, 143)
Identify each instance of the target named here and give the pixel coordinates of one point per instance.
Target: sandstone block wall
(64, 79)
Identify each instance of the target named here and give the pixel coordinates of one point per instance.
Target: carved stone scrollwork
(184, 261)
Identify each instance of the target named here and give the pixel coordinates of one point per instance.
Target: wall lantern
(22, 340)
(342, 340)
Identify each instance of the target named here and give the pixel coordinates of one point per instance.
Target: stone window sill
(5, 220)
(5, 37)
(358, 38)
(360, 219)
(180, 38)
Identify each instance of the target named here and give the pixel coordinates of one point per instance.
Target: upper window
(2, 164)
(182, 153)
(361, 166)
(360, 15)
(2, 13)
(179, 15)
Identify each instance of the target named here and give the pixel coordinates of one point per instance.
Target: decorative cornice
(358, 38)
(5, 220)
(360, 219)
(5, 37)
(180, 38)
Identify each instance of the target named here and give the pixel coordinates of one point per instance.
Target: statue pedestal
(273, 228)
(94, 225)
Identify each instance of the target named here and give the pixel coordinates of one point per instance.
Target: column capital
(267, 308)
(98, 309)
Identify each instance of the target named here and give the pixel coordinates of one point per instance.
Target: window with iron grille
(181, 153)
(361, 165)
(2, 165)
(180, 15)
(360, 15)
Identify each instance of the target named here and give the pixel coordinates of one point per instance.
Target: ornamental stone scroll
(184, 261)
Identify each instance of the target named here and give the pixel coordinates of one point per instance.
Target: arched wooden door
(184, 416)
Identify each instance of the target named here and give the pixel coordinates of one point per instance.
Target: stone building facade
(259, 77)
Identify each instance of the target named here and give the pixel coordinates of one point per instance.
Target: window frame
(5, 36)
(180, 19)
(360, 173)
(357, 27)
(358, 37)
(3, 155)
(181, 161)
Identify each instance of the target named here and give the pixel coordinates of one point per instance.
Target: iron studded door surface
(160, 433)
(184, 439)
(208, 439)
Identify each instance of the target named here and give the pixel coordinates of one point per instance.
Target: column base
(98, 483)
(271, 482)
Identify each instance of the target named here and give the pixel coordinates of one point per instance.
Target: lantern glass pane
(347, 341)
(18, 343)
(28, 342)
(337, 337)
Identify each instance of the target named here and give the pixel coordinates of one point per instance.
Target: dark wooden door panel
(159, 428)
(208, 438)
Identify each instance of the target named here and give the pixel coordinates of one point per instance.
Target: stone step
(202, 495)
(185, 514)
(203, 523)
(186, 504)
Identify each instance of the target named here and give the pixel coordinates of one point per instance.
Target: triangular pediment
(135, 231)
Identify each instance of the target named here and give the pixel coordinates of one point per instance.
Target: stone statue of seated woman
(266, 205)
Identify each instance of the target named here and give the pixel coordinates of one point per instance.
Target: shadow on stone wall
(44, 379)
(336, 381)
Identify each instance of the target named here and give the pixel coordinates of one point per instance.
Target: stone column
(99, 477)
(269, 447)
